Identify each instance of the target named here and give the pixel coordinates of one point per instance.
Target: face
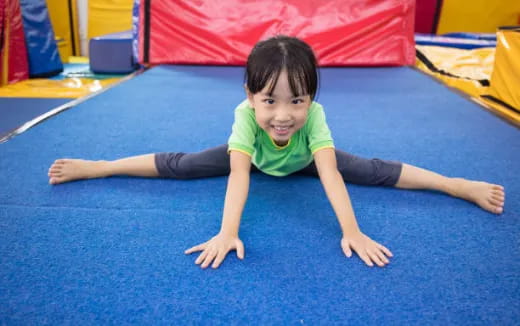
(280, 114)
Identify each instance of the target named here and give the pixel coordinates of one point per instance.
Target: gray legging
(214, 162)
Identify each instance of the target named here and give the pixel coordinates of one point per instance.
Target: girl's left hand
(367, 249)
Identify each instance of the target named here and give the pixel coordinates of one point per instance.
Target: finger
(364, 257)
(240, 250)
(346, 249)
(201, 257)
(381, 256)
(209, 258)
(375, 258)
(196, 248)
(385, 250)
(220, 258)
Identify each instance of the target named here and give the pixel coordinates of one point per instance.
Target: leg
(211, 162)
(64, 170)
(388, 173)
(488, 196)
(358, 170)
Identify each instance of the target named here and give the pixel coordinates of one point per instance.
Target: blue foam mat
(111, 250)
(15, 111)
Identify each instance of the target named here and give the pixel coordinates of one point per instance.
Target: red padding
(13, 42)
(342, 33)
(425, 15)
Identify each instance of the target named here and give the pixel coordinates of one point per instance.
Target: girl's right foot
(65, 170)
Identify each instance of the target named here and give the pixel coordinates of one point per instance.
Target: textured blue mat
(111, 250)
(15, 111)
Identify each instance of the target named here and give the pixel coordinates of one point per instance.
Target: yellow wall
(478, 16)
(109, 16)
(59, 15)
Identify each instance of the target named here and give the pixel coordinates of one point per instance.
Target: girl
(280, 130)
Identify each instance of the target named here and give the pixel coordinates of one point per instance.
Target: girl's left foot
(488, 196)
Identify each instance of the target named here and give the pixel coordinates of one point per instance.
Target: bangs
(299, 82)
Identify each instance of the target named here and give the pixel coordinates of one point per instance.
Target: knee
(176, 167)
(170, 165)
(385, 173)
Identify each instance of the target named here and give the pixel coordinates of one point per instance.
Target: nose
(283, 114)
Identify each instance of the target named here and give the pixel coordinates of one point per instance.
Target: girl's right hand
(216, 249)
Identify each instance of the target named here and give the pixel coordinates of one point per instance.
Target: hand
(216, 250)
(367, 249)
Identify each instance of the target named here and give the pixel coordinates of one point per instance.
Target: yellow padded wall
(109, 16)
(61, 17)
(505, 80)
(478, 16)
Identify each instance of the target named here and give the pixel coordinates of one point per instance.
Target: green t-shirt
(249, 138)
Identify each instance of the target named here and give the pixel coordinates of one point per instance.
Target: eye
(297, 101)
(269, 101)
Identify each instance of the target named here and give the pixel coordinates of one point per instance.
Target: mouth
(281, 130)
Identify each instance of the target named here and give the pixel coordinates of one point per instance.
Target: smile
(281, 130)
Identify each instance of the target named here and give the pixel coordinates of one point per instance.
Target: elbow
(329, 174)
(239, 172)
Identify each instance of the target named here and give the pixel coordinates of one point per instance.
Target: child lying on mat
(279, 130)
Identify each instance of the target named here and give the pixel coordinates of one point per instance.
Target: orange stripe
(239, 150)
(320, 148)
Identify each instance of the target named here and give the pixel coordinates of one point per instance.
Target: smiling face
(280, 113)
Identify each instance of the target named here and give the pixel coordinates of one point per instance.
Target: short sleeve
(318, 132)
(244, 130)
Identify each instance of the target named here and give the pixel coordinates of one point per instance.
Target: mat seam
(94, 208)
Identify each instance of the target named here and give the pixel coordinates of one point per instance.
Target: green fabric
(248, 137)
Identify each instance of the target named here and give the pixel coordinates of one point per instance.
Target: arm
(236, 194)
(336, 190)
(367, 249)
(216, 249)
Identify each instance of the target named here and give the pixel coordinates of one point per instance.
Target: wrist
(227, 233)
(351, 232)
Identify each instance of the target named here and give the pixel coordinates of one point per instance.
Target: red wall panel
(363, 32)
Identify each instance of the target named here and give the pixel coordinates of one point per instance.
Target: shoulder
(315, 108)
(244, 107)
(316, 119)
(316, 112)
(245, 115)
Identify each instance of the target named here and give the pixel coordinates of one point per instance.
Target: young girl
(279, 130)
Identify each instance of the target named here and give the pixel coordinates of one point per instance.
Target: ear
(249, 96)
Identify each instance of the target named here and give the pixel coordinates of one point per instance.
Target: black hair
(269, 57)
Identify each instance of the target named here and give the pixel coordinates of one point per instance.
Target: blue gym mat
(110, 251)
(15, 111)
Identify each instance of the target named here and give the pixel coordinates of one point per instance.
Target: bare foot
(490, 197)
(65, 170)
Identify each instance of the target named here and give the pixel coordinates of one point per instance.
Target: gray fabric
(214, 162)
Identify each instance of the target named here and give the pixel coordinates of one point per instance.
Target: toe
(496, 203)
(56, 180)
(492, 208)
